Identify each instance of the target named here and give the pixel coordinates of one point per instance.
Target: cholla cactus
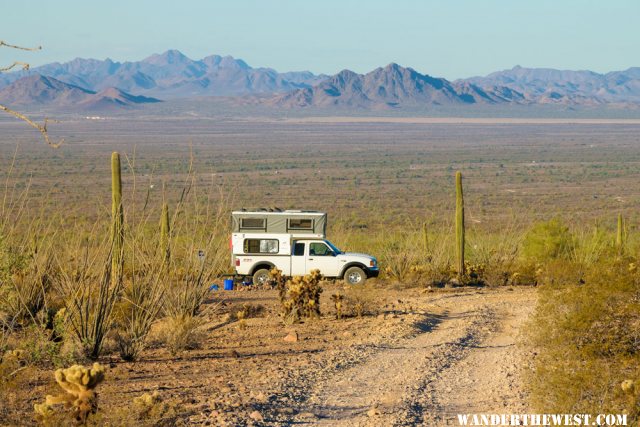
(14, 355)
(337, 299)
(276, 279)
(80, 398)
(628, 386)
(300, 297)
(146, 403)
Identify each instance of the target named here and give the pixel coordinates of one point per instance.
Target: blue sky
(452, 39)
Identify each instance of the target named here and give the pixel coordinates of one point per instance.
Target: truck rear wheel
(261, 277)
(354, 276)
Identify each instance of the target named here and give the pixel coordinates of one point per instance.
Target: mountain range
(171, 75)
(390, 87)
(98, 84)
(41, 90)
(547, 85)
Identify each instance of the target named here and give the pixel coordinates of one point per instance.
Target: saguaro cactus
(164, 233)
(459, 225)
(620, 234)
(425, 239)
(117, 220)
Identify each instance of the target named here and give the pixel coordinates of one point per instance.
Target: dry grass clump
(152, 409)
(362, 300)
(180, 333)
(399, 258)
(25, 281)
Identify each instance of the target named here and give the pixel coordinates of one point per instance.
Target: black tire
(354, 276)
(261, 277)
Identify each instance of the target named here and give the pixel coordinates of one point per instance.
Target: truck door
(298, 259)
(321, 257)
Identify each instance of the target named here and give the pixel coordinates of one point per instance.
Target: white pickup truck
(293, 242)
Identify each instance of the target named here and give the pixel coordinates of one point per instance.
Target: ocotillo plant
(620, 234)
(459, 225)
(117, 220)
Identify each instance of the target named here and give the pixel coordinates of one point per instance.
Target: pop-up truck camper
(294, 242)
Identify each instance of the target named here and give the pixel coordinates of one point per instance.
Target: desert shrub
(89, 296)
(10, 362)
(141, 302)
(152, 409)
(45, 348)
(25, 280)
(524, 274)
(300, 297)
(591, 246)
(185, 292)
(398, 261)
(246, 311)
(587, 338)
(548, 240)
(180, 333)
(497, 253)
(399, 254)
(361, 300)
(436, 267)
(7, 327)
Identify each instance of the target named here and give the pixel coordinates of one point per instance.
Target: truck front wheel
(261, 277)
(354, 276)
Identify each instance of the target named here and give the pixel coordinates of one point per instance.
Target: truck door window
(319, 249)
(260, 246)
(298, 249)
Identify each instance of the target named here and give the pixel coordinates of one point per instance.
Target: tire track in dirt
(419, 380)
(488, 380)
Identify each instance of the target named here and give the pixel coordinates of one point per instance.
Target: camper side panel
(251, 250)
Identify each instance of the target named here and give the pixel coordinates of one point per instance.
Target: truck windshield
(333, 248)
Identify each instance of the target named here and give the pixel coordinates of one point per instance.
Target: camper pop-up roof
(289, 221)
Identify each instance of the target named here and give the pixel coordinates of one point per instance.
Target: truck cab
(293, 242)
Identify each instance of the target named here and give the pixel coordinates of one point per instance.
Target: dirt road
(463, 358)
(418, 357)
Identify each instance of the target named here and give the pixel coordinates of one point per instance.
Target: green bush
(548, 240)
(586, 335)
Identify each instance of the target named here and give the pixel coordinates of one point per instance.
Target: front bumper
(372, 272)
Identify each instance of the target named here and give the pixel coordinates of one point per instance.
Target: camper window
(300, 224)
(253, 223)
(260, 246)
